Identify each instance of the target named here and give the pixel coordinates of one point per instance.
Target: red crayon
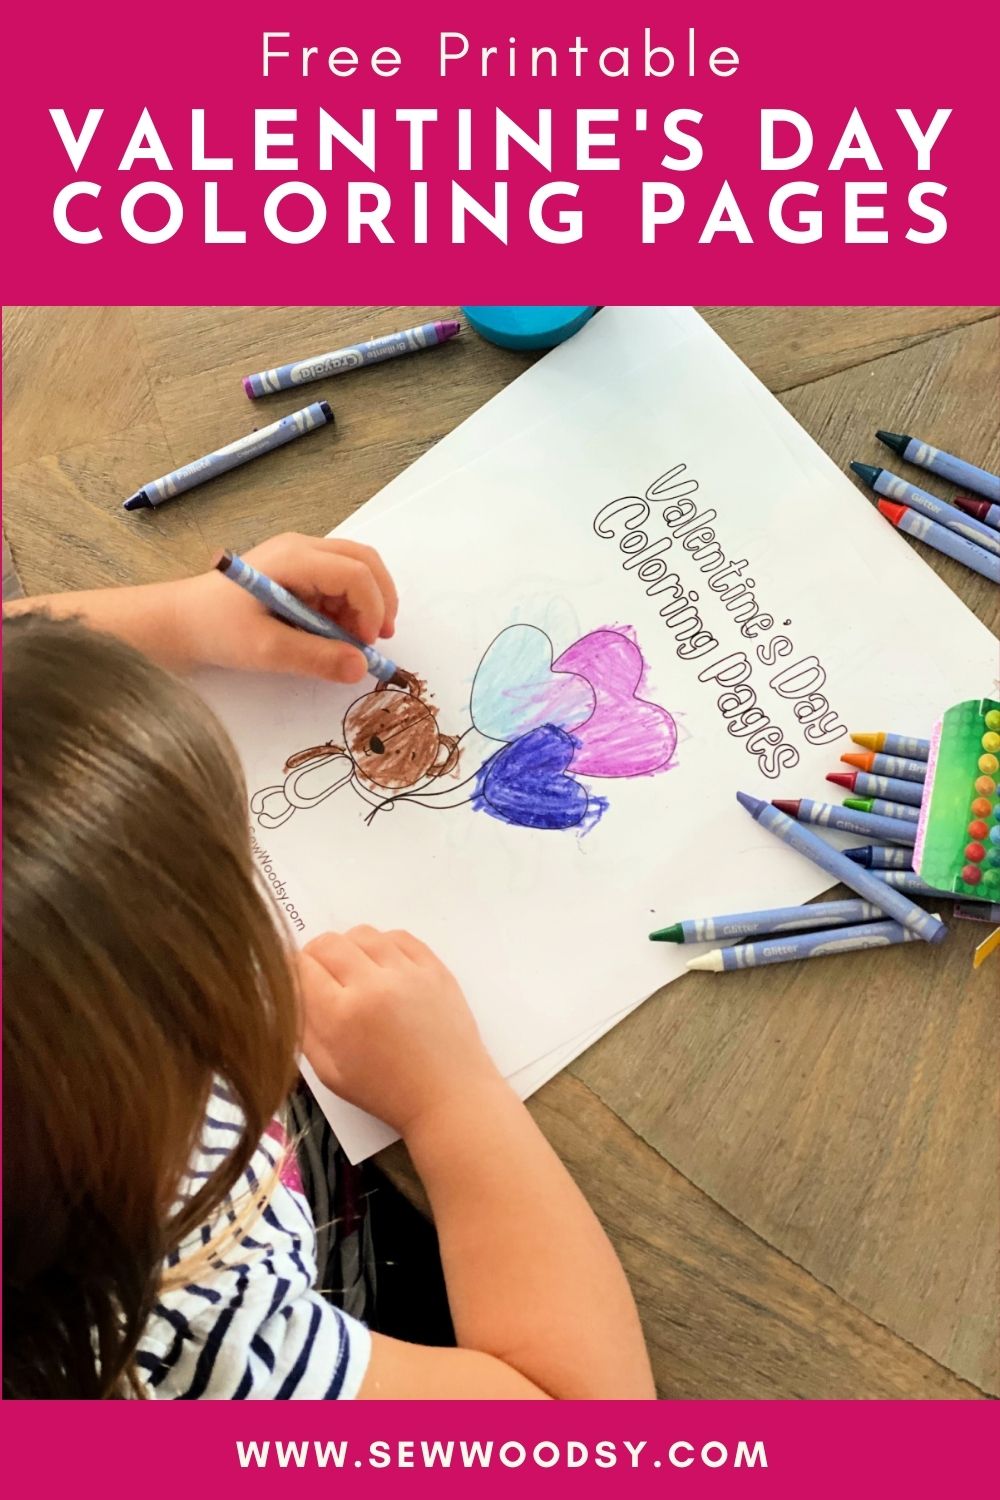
(983, 510)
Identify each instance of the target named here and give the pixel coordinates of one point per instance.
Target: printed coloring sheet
(631, 586)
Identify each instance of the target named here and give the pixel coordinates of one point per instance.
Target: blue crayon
(904, 493)
(957, 470)
(942, 539)
(805, 945)
(780, 919)
(372, 352)
(278, 601)
(884, 743)
(891, 789)
(879, 857)
(847, 820)
(864, 884)
(254, 445)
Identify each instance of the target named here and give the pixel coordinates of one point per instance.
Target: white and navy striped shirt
(253, 1327)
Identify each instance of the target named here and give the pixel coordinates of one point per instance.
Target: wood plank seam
(915, 343)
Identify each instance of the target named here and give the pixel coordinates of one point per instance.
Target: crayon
(883, 809)
(279, 601)
(864, 884)
(887, 765)
(894, 488)
(848, 820)
(983, 510)
(942, 539)
(254, 445)
(888, 787)
(894, 744)
(956, 470)
(780, 919)
(914, 885)
(804, 945)
(881, 857)
(372, 352)
(988, 911)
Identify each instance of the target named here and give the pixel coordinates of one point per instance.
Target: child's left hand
(345, 580)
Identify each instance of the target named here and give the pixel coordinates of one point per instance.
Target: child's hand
(386, 1025)
(345, 580)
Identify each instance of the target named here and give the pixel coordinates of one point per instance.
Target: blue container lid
(527, 327)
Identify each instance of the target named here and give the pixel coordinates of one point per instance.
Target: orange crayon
(898, 766)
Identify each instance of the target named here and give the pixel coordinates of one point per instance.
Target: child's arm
(208, 621)
(540, 1304)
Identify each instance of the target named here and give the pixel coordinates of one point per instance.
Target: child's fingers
(340, 957)
(282, 648)
(344, 578)
(383, 578)
(378, 945)
(412, 947)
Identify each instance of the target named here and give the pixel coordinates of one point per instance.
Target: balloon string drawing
(539, 723)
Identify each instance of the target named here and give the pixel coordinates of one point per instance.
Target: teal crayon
(779, 919)
(803, 945)
(883, 809)
(862, 882)
(881, 857)
(911, 497)
(847, 820)
(947, 465)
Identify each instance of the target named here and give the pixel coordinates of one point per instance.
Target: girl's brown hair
(142, 964)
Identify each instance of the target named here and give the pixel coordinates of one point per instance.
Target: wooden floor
(800, 1172)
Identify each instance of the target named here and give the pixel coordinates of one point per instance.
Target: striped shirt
(253, 1327)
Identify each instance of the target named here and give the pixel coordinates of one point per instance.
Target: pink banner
(435, 153)
(780, 1449)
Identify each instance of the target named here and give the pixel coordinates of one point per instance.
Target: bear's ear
(315, 752)
(449, 749)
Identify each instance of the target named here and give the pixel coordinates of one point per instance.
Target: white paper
(547, 929)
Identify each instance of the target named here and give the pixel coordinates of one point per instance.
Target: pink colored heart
(625, 735)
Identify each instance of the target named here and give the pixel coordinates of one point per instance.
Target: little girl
(157, 1241)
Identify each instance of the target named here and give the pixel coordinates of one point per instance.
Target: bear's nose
(376, 745)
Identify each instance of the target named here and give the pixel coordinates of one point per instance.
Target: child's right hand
(386, 1025)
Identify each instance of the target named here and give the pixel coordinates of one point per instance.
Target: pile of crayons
(968, 530)
(888, 773)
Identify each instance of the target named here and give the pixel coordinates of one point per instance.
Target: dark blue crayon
(939, 511)
(881, 857)
(956, 470)
(254, 445)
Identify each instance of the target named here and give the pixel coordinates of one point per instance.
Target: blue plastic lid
(527, 327)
